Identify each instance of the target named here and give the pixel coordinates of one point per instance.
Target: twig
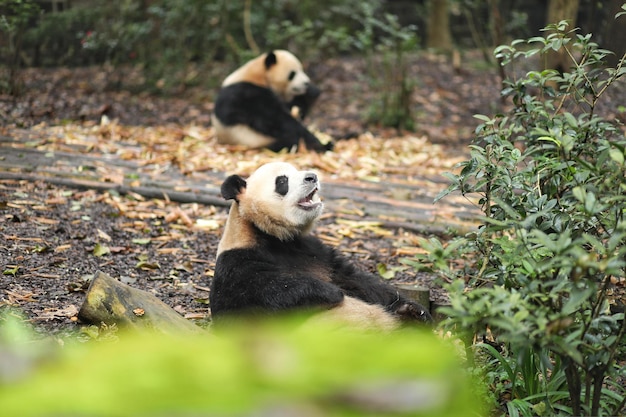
(247, 30)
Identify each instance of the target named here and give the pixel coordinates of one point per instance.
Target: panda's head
(285, 75)
(278, 70)
(277, 198)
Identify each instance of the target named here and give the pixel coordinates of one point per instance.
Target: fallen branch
(147, 192)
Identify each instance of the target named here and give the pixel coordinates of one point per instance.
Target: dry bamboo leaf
(185, 218)
(54, 313)
(103, 235)
(168, 251)
(17, 297)
(208, 224)
(62, 248)
(172, 216)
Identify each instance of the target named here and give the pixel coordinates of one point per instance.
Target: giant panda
(253, 106)
(267, 262)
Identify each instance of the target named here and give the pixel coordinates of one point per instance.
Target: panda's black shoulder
(247, 96)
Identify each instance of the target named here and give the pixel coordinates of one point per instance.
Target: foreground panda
(253, 107)
(267, 262)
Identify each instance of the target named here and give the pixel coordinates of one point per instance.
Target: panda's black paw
(412, 312)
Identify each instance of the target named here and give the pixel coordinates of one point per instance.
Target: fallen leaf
(388, 272)
(62, 248)
(184, 266)
(48, 314)
(16, 297)
(103, 236)
(208, 224)
(142, 241)
(44, 220)
(11, 270)
(146, 265)
(101, 250)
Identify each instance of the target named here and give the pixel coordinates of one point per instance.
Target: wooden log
(417, 293)
(112, 302)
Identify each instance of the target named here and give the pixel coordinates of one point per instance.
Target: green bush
(550, 178)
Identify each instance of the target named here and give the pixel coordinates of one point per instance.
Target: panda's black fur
(254, 105)
(304, 102)
(267, 263)
(260, 109)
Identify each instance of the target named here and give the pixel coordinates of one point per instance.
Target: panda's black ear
(270, 59)
(232, 186)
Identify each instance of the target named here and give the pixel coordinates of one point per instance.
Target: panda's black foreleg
(292, 132)
(294, 292)
(386, 295)
(371, 289)
(304, 102)
(410, 311)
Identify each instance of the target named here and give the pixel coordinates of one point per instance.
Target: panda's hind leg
(357, 314)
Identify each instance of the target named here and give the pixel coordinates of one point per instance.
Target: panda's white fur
(253, 105)
(277, 78)
(284, 217)
(267, 261)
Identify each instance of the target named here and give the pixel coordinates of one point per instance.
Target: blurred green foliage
(15, 18)
(176, 43)
(166, 35)
(262, 369)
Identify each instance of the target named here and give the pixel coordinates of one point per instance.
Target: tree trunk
(560, 10)
(438, 35)
(614, 32)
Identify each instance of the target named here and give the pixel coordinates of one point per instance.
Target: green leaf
(579, 193)
(147, 265)
(617, 156)
(388, 272)
(101, 250)
(590, 203)
(11, 271)
(549, 139)
(482, 117)
(576, 299)
(142, 241)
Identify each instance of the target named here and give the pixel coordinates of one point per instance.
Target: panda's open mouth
(310, 201)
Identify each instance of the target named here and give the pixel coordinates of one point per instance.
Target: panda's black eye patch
(292, 74)
(282, 185)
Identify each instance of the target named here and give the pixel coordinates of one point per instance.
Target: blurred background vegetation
(175, 45)
(176, 41)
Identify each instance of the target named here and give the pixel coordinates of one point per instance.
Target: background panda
(267, 262)
(253, 107)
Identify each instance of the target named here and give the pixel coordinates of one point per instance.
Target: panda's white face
(281, 201)
(287, 78)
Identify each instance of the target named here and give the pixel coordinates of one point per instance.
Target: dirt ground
(54, 238)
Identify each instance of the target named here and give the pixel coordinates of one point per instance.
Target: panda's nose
(310, 177)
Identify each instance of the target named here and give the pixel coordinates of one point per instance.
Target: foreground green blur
(261, 369)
